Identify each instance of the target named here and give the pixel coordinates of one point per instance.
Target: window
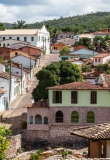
(25, 39)
(74, 117)
(99, 59)
(95, 59)
(59, 117)
(31, 120)
(3, 38)
(57, 96)
(10, 37)
(45, 120)
(0, 44)
(74, 97)
(16, 53)
(42, 38)
(90, 117)
(18, 38)
(3, 44)
(8, 44)
(38, 119)
(93, 97)
(32, 38)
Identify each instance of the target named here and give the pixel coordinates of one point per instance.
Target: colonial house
(67, 41)
(27, 62)
(83, 53)
(86, 35)
(101, 58)
(8, 42)
(98, 137)
(36, 37)
(2, 100)
(70, 105)
(62, 35)
(56, 47)
(11, 84)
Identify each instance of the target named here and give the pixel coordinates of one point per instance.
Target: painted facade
(70, 105)
(101, 58)
(36, 37)
(2, 101)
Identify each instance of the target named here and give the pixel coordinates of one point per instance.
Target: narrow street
(12, 118)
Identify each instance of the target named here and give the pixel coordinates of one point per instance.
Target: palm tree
(19, 25)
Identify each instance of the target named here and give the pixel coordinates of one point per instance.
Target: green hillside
(78, 24)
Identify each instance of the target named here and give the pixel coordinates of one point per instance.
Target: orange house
(57, 46)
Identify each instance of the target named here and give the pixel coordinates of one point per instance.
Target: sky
(32, 11)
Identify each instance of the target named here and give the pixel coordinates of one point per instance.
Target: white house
(101, 58)
(2, 101)
(12, 87)
(2, 67)
(86, 35)
(36, 37)
(8, 42)
(27, 62)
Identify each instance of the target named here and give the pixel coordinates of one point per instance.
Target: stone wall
(15, 144)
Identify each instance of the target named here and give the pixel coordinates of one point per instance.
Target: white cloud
(39, 10)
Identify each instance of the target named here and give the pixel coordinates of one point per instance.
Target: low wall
(15, 144)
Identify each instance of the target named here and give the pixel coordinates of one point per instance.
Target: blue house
(81, 53)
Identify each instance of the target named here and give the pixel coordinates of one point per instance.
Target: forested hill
(87, 22)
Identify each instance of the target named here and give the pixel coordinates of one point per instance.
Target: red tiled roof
(78, 86)
(79, 47)
(44, 103)
(97, 33)
(102, 55)
(100, 131)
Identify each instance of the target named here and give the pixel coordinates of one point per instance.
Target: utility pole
(21, 79)
(10, 85)
(30, 68)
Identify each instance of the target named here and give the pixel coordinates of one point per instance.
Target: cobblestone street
(18, 112)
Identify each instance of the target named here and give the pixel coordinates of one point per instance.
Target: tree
(65, 50)
(2, 27)
(19, 25)
(55, 74)
(86, 68)
(4, 141)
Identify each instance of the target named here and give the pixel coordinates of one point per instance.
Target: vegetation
(65, 50)
(36, 156)
(103, 67)
(23, 124)
(64, 154)
(54, 74)
(107, 72)
(86, 68)
(4, 141)
(78, 24)
(2, 27)
(19, 25)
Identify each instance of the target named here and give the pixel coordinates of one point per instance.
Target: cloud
(40, 10)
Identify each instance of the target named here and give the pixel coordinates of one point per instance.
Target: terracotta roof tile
(2, 91)
(100, 131)
(78, 86)
(102, 55)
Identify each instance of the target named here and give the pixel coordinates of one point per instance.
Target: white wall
(102, 60)
(2, 68)
(2, 103)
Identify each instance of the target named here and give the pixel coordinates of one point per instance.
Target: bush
(103, 67)
(107, 72)
(23, 124)
(86, 68)
(36, 156)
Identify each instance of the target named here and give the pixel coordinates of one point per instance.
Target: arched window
(31, 120)
(59, 117)
(90, 117)
(38, 119)
(45, 120)
(74, 117)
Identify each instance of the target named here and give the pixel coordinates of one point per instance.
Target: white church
(35, 37)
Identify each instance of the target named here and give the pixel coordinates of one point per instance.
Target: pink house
(101, 58)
